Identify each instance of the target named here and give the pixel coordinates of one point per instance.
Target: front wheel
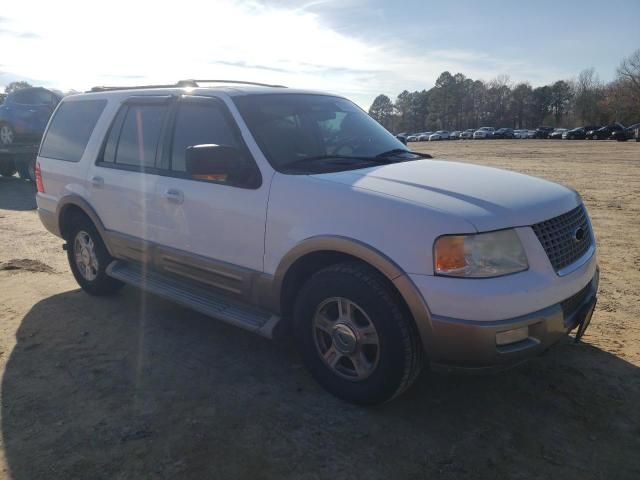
(7, 134)
(355, 337)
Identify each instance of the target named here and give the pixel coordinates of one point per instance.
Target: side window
(198, 124)
(70, 129)
(140, 134)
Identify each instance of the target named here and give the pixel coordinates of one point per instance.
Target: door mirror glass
(216, 163)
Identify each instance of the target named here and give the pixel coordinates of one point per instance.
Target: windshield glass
(293, 127)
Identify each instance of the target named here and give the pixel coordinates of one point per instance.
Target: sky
(355, 48)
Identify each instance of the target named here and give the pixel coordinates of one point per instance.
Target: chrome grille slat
(557, 237)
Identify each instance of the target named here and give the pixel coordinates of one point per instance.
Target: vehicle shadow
(137, 387)
(17, 194)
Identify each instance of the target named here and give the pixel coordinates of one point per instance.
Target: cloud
(285, 44)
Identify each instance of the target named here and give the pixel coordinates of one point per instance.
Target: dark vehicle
(503, 133)
(24, 115)
(542, 132)
(604, 133)
(626, 134)
(557, 133)
(575, 134)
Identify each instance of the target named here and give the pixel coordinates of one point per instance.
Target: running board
(197, 298)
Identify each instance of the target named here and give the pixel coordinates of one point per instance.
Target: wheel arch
(71, 205)
(316, 253)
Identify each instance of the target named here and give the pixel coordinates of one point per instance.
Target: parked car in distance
(604, 133)
(542, 132)
(505, 133)
(557, 133)
(520, 133)
(439, 135)
(485, 267)
(424, 136)
(455, 135)
(413, 137)
(626, 134)
(467, 134)
(575, 134)
(24, 114)
(484, 133)
(588, 128)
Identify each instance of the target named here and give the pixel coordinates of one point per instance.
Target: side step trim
(197, 298)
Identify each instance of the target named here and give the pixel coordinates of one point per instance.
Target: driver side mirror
(219, 163)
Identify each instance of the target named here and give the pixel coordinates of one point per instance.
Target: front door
(223, 222)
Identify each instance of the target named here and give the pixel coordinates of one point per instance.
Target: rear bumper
(471, 345)
(50, 221)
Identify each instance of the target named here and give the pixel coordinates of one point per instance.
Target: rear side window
(140, 135)
(70, 129)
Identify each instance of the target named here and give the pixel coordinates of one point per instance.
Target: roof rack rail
(239, 82)
(181, 84)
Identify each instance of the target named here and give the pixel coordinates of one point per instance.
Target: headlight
(480, 255)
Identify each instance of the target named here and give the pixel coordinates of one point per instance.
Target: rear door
(221, 221)
(123, 180)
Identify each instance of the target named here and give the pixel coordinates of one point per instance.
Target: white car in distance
(439, 135)
(484, 132)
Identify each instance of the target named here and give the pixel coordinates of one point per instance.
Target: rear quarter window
(70, 129)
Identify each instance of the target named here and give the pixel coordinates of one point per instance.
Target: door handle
(97, 182)
(173, 195)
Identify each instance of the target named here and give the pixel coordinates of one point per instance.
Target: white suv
(282, 210)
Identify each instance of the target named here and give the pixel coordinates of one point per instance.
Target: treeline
(457, 102)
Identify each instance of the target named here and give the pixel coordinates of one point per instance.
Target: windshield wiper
(396, 151)
(390, 153)
(378, 160)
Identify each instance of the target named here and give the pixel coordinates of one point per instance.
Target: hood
(489, 198)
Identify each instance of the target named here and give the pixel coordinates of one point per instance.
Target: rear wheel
(88, 258)
(355, 337)
(7, 167)
(27, 169)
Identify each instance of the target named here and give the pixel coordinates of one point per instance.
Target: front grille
(558, 237)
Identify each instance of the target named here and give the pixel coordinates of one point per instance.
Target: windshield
(293, 127)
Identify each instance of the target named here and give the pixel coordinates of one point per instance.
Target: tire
(7, 168)
(388, 367)
(7, 134)
(27, 170)
(89, 264)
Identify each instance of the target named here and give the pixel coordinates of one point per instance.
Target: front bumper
(469, 344)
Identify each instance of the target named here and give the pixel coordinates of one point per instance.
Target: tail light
(39, 184)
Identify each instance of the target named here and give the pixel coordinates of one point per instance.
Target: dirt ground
(135, 387)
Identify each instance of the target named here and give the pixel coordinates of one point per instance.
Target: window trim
(165, 144)
(125, 106)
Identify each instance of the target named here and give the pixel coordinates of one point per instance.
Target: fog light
(512, 336)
